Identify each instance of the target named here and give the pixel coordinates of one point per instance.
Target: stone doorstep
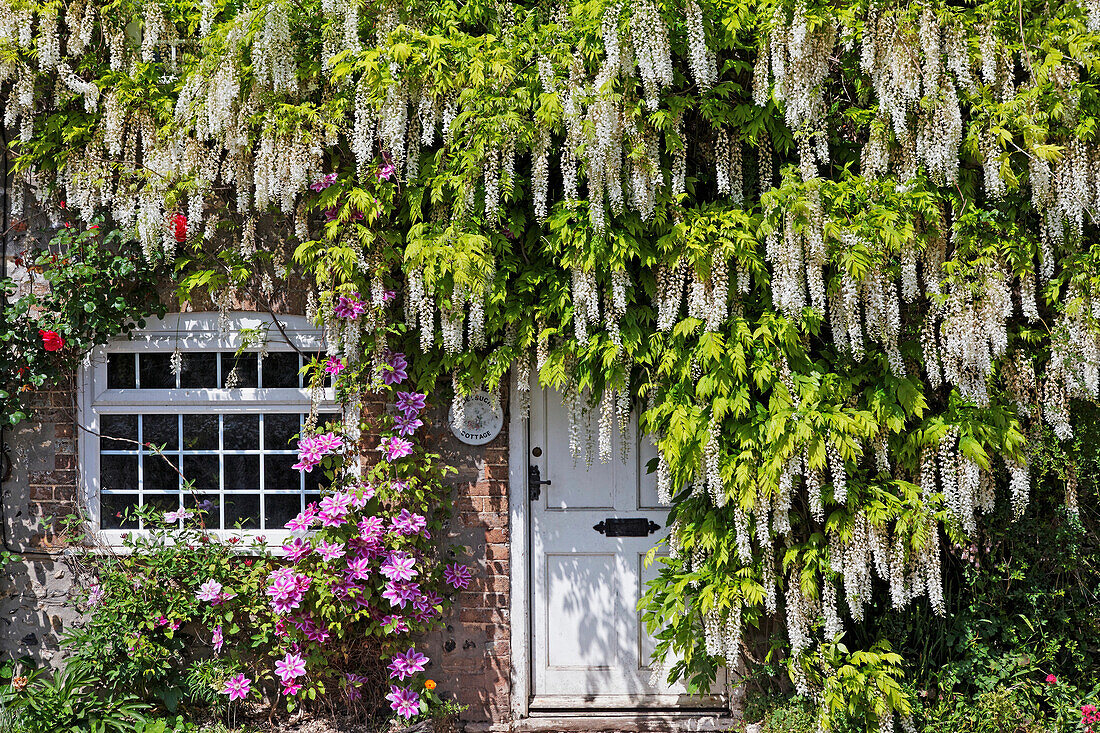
(624, 723)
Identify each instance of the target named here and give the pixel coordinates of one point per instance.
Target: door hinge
(535, 483)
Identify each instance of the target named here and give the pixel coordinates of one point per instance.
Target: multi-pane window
(216, 433)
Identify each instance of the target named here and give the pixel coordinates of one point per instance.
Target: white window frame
(189, 332)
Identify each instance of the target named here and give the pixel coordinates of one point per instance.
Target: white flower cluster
(16, 25)
(928, 60)
(286, 163)
(671, 283)
(728, 172)
(154, 27)
(586, 302)
(833, 623)
(80, 19)
(361, 135)
(710, 475)
(701, 60)
(86, 89)
(973, 335)
(540, 172)
(874, 548)
(419, 308)
(273, 50)
(652, 53)
(799, 64)
(1074, 367)
(49, 43)
(21, 104)
(801, 612)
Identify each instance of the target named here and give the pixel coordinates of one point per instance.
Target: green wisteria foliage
(838, 255)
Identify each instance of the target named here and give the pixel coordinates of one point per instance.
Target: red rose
(179, 228)
(51, 341)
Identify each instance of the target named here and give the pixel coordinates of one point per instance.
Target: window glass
(200, 432)
(199, 371)
(231, 458)
(155, 371)
(120, 371)
(280, 369)
(241, 432)
(120, 432)
(240, 372)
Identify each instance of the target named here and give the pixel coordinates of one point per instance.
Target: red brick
(497, 456)
(62, 399)
(482, 600)
(63, 462)
(64, 430)
(52, 477)
(482, 505)
(491, 583)
(495, 631)
(496, 552)
(483, 615)
(484, 519)
(497, 534)
(41, 493)
(498, 471)
(480, 488)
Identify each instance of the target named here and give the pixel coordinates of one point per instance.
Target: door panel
(590, 649)
(584, 628)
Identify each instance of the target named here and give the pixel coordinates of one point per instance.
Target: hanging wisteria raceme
(906, 201)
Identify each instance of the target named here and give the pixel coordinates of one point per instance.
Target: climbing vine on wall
(839, 256)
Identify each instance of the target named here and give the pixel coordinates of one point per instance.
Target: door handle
(535, 483)
(627, 527)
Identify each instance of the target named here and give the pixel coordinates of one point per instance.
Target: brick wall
(41, 483)
(52, 478)
(474, 653)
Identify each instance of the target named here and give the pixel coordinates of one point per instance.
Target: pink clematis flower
(210, 591)
(406, 425)
(296, 549)
(395, 448)
(349, 307)
(173, 517)
(407, 523)
(457, 576)
(323, 182)
(237, 687)
(386, 172)
(410, 403)
(290, 668)
(330, 551)
(304, 520)
(407, 664)
(399, 566)
(395, 369)
(404, 701)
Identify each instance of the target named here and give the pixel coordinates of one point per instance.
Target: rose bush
(99, 287)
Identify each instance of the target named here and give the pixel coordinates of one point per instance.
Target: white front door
(589, 648)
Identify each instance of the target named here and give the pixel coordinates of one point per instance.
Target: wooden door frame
(519, 532)
(519, 569)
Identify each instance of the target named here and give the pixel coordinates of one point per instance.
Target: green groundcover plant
(840, 256)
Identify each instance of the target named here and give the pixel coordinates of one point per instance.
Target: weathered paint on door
(589, 648)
